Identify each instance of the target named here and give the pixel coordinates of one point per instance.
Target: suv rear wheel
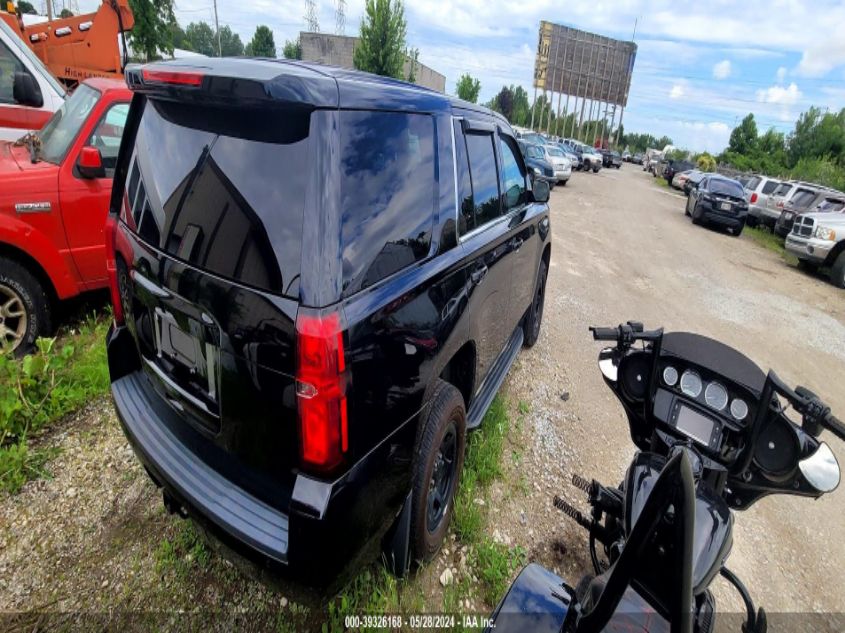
(24, 307)
(534, 316)
(837, 271)
(437, 470)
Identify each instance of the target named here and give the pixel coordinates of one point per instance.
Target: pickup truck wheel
(437, 470)
(837, 271)
(24, 308)
(595, 170)
(534, 317)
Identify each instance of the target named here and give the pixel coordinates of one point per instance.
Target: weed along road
(622, 250)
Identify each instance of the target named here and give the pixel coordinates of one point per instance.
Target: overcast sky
(700, 66)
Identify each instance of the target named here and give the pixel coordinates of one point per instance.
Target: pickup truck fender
(37, 247)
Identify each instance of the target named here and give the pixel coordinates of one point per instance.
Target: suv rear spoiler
(233, 83)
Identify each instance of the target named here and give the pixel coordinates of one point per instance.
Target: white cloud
(781, 74)
(722, 70)
(678, 90)
(823, 56)
(778, 94)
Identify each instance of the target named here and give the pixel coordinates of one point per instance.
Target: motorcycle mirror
(609, 363)
(821, 470)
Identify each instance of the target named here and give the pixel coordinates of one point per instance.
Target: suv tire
(437, 470)
(837, 271)
(24, 307)
(534, 316)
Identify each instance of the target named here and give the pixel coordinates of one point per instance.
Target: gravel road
(623, 250)
(89, 538)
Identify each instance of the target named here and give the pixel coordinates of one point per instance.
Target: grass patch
(661, 182)
(58, 378)
(771, 242)
(182, 554)
(494, 564)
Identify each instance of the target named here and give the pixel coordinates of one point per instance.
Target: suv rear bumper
(190, 480)
(328, 526)
(730, 220)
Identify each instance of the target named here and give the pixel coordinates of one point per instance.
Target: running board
(494, 380)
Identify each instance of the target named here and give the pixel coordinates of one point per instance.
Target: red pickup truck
(55, 186)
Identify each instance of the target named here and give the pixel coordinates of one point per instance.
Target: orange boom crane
(80, 46)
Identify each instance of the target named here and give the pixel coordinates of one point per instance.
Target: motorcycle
(713, 437)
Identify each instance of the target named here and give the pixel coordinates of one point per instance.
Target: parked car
(672, 167)
(637, 159)
(29, 94)
(54, 194)
(817, 239)
(803, 200)
(297, 354)
(758, 190)
(561, 164)
(679, 179)
(611, 158)
(591, 159)
(718, 200)
(626, 156)
(693, 179)
(535, 161)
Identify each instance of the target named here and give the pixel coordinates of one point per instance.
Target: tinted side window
(467, 214)
(9, 65)
(485, 180)
(219, 201)
(513, 176)
(803, 197)
(752, 184)
(783, 189)
(770, 186)
(387, 193)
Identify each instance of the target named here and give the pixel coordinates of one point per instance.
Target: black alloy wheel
(442, 479)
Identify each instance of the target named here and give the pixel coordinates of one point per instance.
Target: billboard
(581, 64)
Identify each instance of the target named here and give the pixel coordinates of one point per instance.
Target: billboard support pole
(604, 129)
(621, 114)
(586, 92)
(533, 107)
(565, 113)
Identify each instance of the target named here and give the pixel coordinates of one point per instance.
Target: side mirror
(90, 163)
(540, 190)
(25, 90)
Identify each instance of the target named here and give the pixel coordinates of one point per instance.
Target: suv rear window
(770, 186)
(753, 183)
(217, 198)
(386, 194)
(802, 198)
(783, 189)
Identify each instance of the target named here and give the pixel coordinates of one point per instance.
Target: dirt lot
(95, 538)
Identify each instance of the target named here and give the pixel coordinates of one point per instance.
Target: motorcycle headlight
(824, 233)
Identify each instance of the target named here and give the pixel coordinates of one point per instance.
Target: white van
(29, 94)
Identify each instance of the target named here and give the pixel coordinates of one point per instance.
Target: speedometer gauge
(691, 383)
(739, 409)
(716, 396)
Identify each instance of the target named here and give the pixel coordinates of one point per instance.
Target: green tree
(705, 162)
(262, 43)
(521, 108)
(381, 43)
(27, 8)
(180, 40)
(66, 13)
(292, 49)
(744, 136)
(503, 102)
(468, 88)
(230, 43)
(152, 35)
(200, 37)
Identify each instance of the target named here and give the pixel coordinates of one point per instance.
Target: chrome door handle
(477, 275)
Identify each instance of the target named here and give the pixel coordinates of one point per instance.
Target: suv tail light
(753, 197)
(175, 77)
(111, 269)
(321, 390)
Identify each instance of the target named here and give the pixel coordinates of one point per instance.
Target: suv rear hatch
(212, 215)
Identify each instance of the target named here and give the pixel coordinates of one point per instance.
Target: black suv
(320, 279)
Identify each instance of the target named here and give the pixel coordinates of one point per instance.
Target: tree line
(813, 151)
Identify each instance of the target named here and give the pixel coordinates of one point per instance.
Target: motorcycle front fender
(537, 601)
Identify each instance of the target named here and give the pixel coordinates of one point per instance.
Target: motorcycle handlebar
(625, 335)
(832, 424)
(605, 333)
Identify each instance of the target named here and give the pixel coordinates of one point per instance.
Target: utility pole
(49, 4)
(340, 18)
(217, 26)
(311, 17)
